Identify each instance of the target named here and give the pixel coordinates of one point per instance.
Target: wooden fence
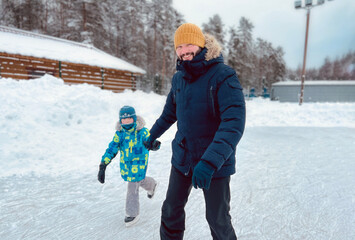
(25, 67)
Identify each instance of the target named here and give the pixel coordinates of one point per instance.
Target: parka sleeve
(112, 150)
(232, 114)
(167, 118)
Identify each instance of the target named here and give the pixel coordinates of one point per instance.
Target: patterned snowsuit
(133, 161)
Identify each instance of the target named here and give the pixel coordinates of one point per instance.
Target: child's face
(127, 120)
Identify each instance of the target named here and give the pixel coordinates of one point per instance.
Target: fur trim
(214, 49)
(140, 124)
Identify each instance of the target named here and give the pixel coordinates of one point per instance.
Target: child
(130, 139)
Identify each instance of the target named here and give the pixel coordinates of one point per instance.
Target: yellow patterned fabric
(133, 155)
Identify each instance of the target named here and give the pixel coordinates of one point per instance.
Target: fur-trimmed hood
(140, 124)
(213, 47)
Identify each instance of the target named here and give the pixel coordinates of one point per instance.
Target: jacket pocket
(179, 149)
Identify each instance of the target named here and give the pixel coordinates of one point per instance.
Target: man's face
(187, 52)
(127, 120)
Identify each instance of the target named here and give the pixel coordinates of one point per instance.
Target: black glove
(155, 145)
(152, 145)
(101, 175)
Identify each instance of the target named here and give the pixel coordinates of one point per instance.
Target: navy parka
(207, 101)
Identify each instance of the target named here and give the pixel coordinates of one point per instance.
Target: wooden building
(28, 55)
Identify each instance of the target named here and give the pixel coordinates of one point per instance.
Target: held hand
(148, 144)
(101, 174)
(156, 145)
(152, 145)
(202, 175)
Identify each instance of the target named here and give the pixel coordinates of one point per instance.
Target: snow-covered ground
(295, 168)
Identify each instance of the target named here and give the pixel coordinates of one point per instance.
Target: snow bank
(262, 112)
(48, 127)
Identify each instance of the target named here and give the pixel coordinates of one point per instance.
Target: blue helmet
(128, 112)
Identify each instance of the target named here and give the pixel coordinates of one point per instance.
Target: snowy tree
(64, 20)
(263, 52)
(170, 22)
(233, 44)
(325, 72)
(51, 18)
(22, 14)
(241, 52)
(7, 13)
(215, 28)
(312, 74)
(270, 65)
(337, 70)
(258, 64)
(161, 25)
(136, 33)
(351, 67)
(278, 66)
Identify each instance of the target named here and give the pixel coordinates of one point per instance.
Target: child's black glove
(152, 145)
(101, 174)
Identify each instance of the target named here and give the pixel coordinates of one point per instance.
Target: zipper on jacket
(188, 170)
(212, 100)
(175, 95)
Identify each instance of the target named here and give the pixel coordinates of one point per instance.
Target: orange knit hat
(189, 33)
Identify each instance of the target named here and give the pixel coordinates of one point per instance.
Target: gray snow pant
(132, 199)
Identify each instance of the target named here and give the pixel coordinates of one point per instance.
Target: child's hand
(101, 174)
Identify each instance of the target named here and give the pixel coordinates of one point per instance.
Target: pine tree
(162, 22)
(7, 13)
(233, 44)
(325, 72)
(215, 28)
(337, 70)
(244, 62)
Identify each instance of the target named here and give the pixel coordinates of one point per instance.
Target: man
(207, 102)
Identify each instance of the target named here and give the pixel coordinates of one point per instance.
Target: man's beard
(187, 54)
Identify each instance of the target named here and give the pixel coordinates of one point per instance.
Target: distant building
(314, 91)
(28, 55)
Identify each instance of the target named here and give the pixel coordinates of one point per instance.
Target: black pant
(217, 200)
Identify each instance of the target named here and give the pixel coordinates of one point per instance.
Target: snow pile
(47, 126)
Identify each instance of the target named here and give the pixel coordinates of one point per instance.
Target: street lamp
(308, 5)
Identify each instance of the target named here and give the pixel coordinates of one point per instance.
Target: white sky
(331, 31)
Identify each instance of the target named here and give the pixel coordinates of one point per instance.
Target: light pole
(308, 5)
